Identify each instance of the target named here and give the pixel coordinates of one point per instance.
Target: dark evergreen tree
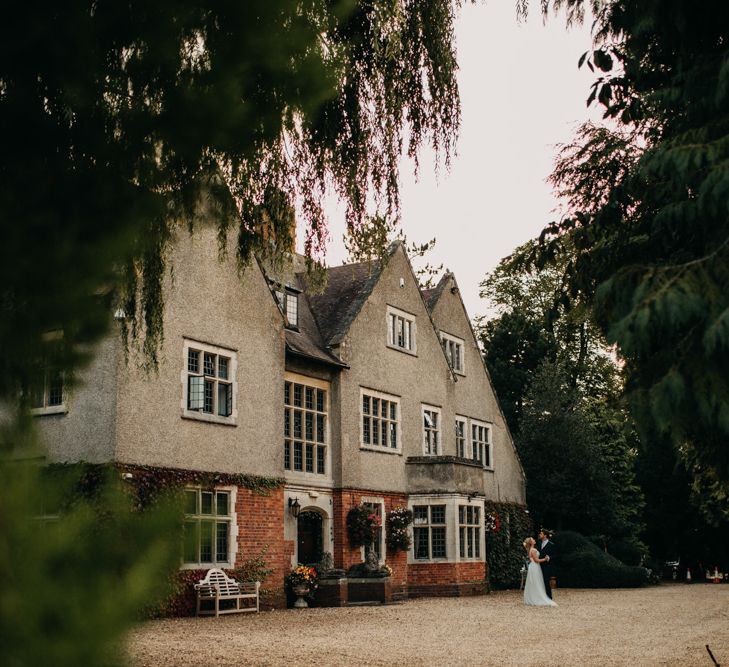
(647, 221)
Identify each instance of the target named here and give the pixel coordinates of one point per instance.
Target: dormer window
(288, 302)
(454, 352)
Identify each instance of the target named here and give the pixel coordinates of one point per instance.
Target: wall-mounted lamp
(294, 507)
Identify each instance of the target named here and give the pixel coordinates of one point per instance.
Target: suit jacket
(547, 550)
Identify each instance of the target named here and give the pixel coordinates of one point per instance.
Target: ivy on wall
(506, 526)
(149, 481)
(146, 483)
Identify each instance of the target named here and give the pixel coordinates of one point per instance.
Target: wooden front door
(309, 537)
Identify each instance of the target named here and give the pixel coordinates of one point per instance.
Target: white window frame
(230, 519)
(488, 450)
(429, 525)
(465, 438)
(379, 502)
(214, 417)
(290, 439)
(469, 531)
(46, 408)
(393, 400)
(450, 342)
(438, 430)
(410, 333)
(285, 298)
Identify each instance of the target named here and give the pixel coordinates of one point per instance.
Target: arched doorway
(309, 537)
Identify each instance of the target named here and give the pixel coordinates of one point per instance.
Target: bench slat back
(216, 578)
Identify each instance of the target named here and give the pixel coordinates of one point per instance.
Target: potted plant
(303, 581)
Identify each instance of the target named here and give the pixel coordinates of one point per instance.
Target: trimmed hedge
(581, 564)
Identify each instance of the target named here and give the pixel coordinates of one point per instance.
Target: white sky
(521, 95)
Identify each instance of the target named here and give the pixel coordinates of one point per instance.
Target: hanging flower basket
(361, 525)
(398, 536)
(492, 522)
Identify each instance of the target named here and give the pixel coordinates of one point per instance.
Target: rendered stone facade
(322, 393)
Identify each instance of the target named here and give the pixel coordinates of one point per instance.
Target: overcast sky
(521, 95)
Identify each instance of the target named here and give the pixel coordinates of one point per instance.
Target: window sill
(488, 469)
(206, 566)
(412, 353)
(208, 418)
(428, 561)
(308, 475)
(52, 410)
(381, 450)
(461, 373)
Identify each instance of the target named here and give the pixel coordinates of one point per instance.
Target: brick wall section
(261, 527)
(346, 556)
(445, 573)
(446, 579)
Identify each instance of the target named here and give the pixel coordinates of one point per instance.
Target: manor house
(371, 391)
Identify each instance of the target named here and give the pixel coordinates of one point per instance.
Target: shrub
(506, 525)
(581, 564)
(181, 600)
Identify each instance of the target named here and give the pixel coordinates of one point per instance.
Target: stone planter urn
(301, 591)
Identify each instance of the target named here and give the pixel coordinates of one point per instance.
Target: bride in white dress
(534, 593)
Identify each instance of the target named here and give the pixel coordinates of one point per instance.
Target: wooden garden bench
(218, 586)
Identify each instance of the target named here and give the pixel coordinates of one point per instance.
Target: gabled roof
(347, 289)
(305, 340)
(431, 295)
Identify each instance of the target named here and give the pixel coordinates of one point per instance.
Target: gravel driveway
(663, 625)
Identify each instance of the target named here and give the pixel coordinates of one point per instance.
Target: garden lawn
(663, 625)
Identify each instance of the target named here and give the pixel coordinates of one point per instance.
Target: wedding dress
(534, 592)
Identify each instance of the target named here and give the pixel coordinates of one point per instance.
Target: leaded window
(49, 394)
(305, 428)
(400, 330)
(207, 528)
(431, 431)
(209, 382)
(288, 302)
(469, 531)
(461, 437)
(380, 420)
(429, 531)
(481, 444)
(453, 348)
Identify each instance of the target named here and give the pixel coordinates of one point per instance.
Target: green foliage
(675, 528)
(504, 551)
(567, 483)
(149, 482)
(581, 564)
(119, 118)
(76, 575)
(647, 213)
(534, 324)
(361, 525)
(397, 533)
(560, 388)
(181, 599)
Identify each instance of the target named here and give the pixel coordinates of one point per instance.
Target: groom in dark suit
(546, 550)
